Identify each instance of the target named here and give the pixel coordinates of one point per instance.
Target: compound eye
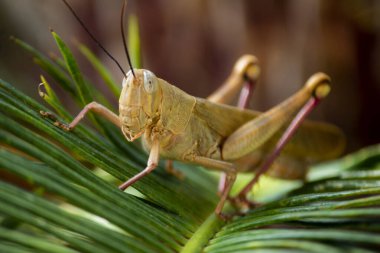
(150, 82)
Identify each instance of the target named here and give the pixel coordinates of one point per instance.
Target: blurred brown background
(193, 45)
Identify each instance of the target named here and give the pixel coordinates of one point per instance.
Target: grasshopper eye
(150, 82)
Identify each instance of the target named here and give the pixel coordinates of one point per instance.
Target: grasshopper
(177, 126)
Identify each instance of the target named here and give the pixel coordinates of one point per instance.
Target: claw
(48, 115)
(225, 217)
(241, 202)
(62, 126)
(57, 123)
(229, 216)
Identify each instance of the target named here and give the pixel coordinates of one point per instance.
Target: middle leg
(230, 172)
(243, 78)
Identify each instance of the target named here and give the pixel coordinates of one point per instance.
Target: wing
(313, 140)
(224, 119)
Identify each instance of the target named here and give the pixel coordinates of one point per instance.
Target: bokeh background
(194, 44)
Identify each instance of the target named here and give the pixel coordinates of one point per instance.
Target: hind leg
(242, 79)
(257, 132)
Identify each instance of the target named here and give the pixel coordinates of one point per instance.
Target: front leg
(152, 164)
(93, 106)
(109, 115)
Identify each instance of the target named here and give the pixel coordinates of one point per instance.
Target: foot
(241, 202)
(225, 217)
(229, 216)
(57, 123)
(172, 171)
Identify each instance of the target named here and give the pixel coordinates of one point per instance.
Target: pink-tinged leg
(222, 183)
(230, 179)
(230, 175)
(246, 93)
(93, 106)
(287, 135)
(152, 164)
(245, 72)
(243, 101)
(246, 68)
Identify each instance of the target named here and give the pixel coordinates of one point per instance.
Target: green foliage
(72, 203)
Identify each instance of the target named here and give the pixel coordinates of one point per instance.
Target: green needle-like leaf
(103, 72)
(64, 202)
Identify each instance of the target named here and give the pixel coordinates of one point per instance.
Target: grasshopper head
(139, 102)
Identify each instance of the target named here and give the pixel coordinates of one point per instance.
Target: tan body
(199, 128)
(177, 126)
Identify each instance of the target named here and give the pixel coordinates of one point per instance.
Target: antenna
(123, 35)
(93, 37)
